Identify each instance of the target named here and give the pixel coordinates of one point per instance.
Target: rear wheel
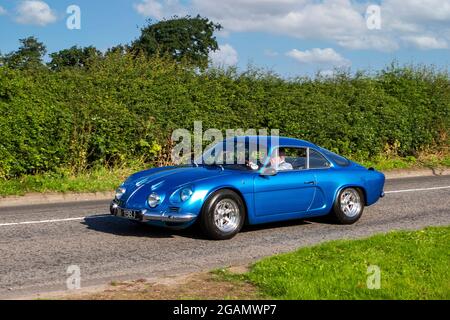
(222, 215)
(348, 206)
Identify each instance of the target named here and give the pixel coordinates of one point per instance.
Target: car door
(290, 191)
(325, 179)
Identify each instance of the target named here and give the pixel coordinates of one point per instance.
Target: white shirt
(283, 166)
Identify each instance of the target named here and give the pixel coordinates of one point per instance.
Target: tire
(348, 206)
(222, 215)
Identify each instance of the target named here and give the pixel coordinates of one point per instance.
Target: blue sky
(291, 37)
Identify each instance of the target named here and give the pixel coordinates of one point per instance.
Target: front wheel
(223, 215)
(348, 206)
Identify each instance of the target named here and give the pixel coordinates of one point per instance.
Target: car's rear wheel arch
(348, 205)
(363, 193)
(361, 190)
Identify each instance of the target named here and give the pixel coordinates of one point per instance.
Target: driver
(278, 161)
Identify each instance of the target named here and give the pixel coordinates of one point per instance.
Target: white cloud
(35, 12)
(426, 42)
(417, 11)
(341, 22)
(160, 9)
(2, 11)
(424, 24)
(225, 56)
(150, 8)
(296, 18)
(363, 42)
(270, 53)
(325, 56)
(336, 20)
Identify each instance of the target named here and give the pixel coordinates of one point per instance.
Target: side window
(283, 159)
(317, 160)
(297, 158)
(339, 160)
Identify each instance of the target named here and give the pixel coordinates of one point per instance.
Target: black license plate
(129, 214)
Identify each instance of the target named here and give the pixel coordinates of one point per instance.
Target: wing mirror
(268, 171)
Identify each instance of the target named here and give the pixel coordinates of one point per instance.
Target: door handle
(309, 182)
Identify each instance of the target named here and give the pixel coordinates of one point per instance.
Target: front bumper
(144, 215)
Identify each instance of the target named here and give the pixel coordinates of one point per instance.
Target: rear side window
(339, 160)
(317, 160)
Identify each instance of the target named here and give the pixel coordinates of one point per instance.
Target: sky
(290, 37)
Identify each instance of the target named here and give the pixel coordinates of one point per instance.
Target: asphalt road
(38, 243)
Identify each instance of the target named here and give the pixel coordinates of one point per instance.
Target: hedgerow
(123, 109)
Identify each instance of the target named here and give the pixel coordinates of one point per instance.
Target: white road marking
(418, 189)
(50, 221)
(104, 216)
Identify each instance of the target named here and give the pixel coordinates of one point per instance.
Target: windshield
(235, 154)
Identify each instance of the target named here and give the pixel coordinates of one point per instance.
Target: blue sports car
(291, 179)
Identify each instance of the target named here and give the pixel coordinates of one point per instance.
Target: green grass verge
(413, 265)
(92, 181)
(103, 179)
(430, 161)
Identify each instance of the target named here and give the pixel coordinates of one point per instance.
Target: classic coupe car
(294, 179)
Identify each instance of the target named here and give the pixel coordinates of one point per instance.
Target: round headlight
(185, 194)
(120, 192)
(153, 200)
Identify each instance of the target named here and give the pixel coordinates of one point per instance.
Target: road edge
(55, 197)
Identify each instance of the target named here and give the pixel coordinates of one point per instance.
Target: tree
(29, 54)
(119, 49)
(187, 38)
(74, 57)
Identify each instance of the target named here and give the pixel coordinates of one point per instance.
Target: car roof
(273, 141)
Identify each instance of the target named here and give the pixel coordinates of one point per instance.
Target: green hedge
(123, 109)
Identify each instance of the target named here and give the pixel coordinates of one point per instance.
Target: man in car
(278, 161)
